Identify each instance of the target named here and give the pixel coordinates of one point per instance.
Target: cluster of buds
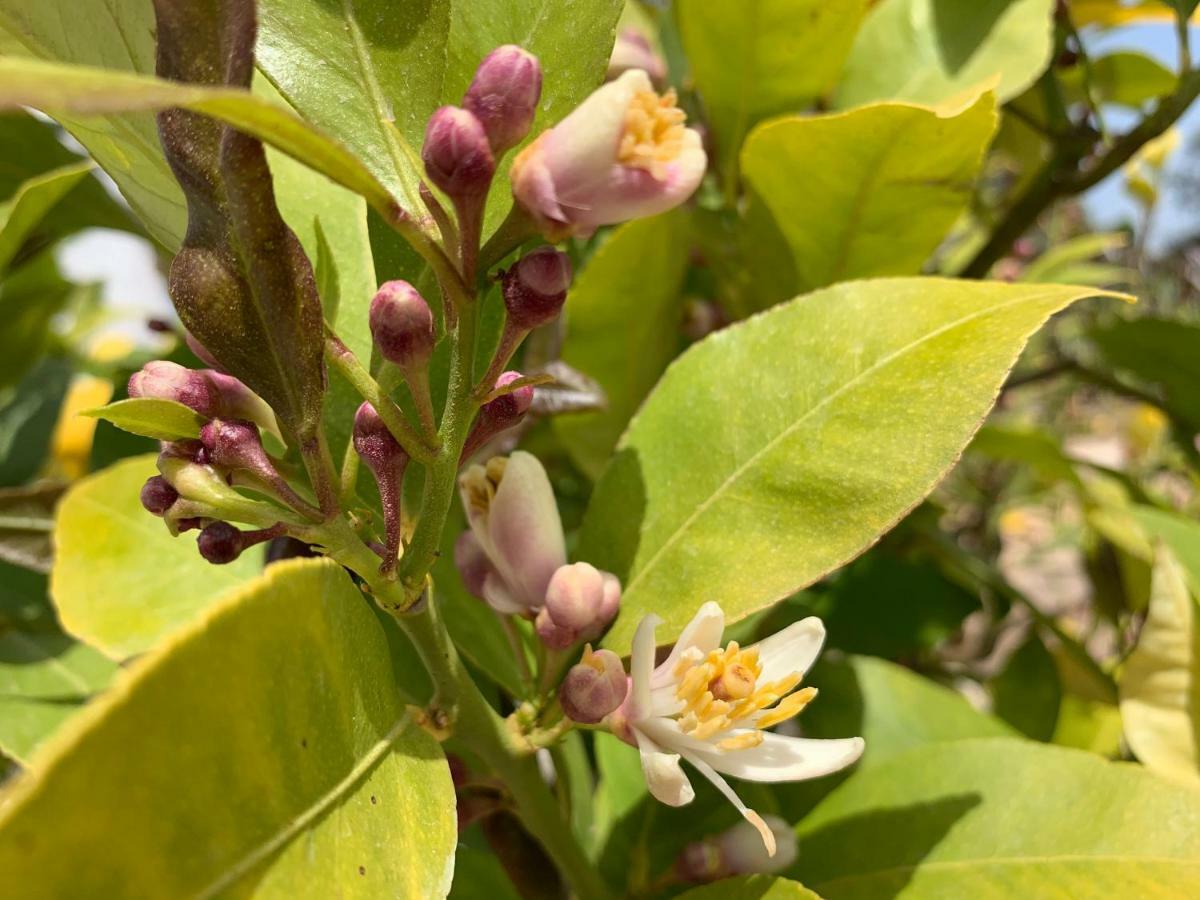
(198, 480)
(514, 555)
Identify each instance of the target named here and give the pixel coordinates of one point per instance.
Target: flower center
(653, 134)
(479, 483)
(721, 691)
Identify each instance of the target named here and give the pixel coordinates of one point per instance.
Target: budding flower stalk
(220, 543)
(580, 603)
(402, 325)
(536, 288)
(624, 153)
(157, 495)
(504, 96)
(208, 392)
(386, 459)
(235, 446)
(498, 415)
(458, 160)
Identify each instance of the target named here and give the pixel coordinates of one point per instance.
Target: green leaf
(26, 519)
(30, 296)
(1179, 533)
(816, 426)
(1002, 818)
(50, 666)
(1125, 78)
(478, 875)
(1160, 681)
(163, 420)
(854, 219)
(27, 421)
(928, 51)
(752, 887)
(573, 42)
(120, 36)
(622, 328)
(58, 89)
(1027, 692)
(120, 581)
(1038, 449)
(364, 71)
(1161, 352)
(1067, 257)
(760, 58)
(219, 783)
(21, 214)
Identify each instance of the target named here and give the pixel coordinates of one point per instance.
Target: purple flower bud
(234, 444)
(164, 380)
(504, 95)
(220, 543)
(500, 414)
(594, 687)
(402, 325)
(536, 287)
(387, 460)
(553, 635)
(457, 156)
(157, 495)
(582, 598)
(236, 401)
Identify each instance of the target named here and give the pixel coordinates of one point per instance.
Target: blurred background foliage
(1047, 588)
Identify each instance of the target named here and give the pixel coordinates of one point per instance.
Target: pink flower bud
(738, 851)
(583, 599)
(622, 154)
(164, 380)
(633, 50)
(236, 401)
(553, 635)
(499, 415)
(402, 325)
(234, 444)
(457, 156)
(504, 95)
(157, 495)
(386, 459)
(594, 687)
(536, 287)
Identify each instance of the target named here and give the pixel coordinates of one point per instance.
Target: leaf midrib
(823, 402)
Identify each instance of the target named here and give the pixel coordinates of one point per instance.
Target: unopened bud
(220, 543)
(236, 401)
(234, 444)
(157, 495)
(594, 687)
(582, 598)
(536, 287)
(738, 851)
(402, 325)
(500, 414)
(457, 156)
(387, 460)
(165, 380)
(632, 50)
(504, 95)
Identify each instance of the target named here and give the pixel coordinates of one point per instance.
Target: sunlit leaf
(163, 420)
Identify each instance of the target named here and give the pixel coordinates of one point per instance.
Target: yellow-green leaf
(264, 751)
(1160, 682)
(163, 420)
(814, 427)
(20, 214)
(759, 58)
(120, 581)
(854, 218)
(622, 329)
(1002, 818)
(753, 887)
(928, 51)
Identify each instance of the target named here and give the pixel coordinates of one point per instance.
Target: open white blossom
(711, 705)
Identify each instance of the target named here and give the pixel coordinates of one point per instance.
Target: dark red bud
(387, 460)
(504, 95)
(233, 444)
(158, 496)
(220, 543)
(402, 325)
(457, 155)
(164, 380)
(536, 287)
(500, 414)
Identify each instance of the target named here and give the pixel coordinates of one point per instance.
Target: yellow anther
(710, 726)
(787, 708)
(653, 133)
(743, 741)
(480, 483)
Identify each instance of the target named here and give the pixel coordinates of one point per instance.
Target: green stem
(516, 229)
(343, 359)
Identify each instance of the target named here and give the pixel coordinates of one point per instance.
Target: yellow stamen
(653, 133)
(787, 708)
(743, 741)
(480, 483)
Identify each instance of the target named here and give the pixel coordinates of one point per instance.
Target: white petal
(703, 632)
(723, 786)
(780, 758)
(664, 776)
(500, 598)
(525, 531)
(641, 664)
(794, 649)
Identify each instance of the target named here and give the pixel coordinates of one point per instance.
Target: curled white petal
(792, 650)
(664, 775)
(747, 813)
(781, 758)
